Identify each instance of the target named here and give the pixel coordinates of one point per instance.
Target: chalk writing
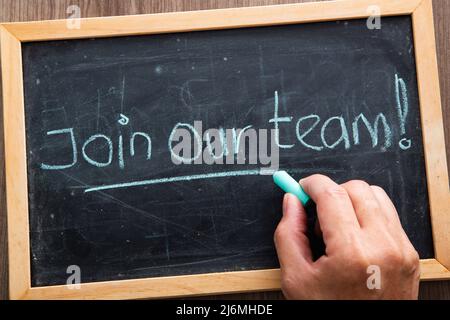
(342, 138)
(373, 130)
(401, 94)
(188, 143)
(74, 150)
(276, 120)
(177, 179)
(304, 134)
(110, 151)
(123, 120)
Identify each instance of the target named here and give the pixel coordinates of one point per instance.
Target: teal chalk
(289, 185)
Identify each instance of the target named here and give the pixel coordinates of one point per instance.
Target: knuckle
(412, 261)
(357, 185)
(289, 284)
(318, 176)
(393, 257)
(378, 189)
(380, 193)
(372, 204)
(279, 233)
(334, 192)
(316, 179)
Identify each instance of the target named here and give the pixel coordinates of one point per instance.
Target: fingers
(395, 228)
(393, 223)
(386, 204)
(367, 207)
(334, 208)
(291, 241)
(375, 211)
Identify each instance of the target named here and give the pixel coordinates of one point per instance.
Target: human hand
(368, 255)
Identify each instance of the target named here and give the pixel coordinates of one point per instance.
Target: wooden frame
(13, 34)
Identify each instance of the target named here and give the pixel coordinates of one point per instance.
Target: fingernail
(286, 200)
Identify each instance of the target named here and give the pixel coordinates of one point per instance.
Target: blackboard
(323, 76)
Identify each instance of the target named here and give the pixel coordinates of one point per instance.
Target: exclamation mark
(401, 93)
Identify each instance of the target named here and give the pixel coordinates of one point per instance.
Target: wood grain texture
(433, 140)
(15, 164)
(29, 10)
(198, 20)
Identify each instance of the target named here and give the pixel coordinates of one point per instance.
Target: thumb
(291, 240)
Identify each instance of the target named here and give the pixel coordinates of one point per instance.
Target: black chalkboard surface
(105, 193)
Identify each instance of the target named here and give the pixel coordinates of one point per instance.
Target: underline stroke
(254, 172)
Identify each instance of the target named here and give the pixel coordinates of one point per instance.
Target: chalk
(289, 185)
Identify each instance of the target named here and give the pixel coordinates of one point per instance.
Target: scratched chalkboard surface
(140, 155)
